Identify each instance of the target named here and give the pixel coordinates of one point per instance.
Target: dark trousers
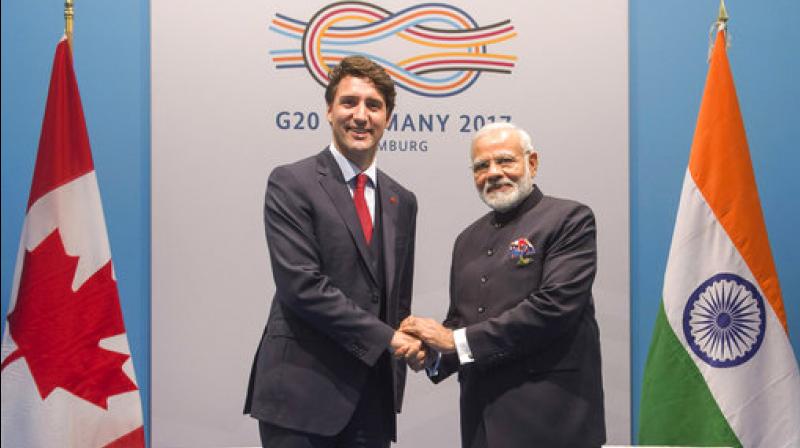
(475, 437)
(371, 426)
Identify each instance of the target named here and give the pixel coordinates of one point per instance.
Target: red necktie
(361, 206)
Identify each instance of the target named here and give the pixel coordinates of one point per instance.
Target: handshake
(417, 337)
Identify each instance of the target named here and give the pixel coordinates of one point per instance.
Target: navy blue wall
(668, 49)
(112, 64)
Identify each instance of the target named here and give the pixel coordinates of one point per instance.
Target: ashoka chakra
(724, 320)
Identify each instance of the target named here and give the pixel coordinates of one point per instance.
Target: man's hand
(420, 359)
(404, 345)
(410, 349)
(432, 333)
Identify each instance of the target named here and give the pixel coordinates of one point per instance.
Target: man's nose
(494, 170)
(360, 113)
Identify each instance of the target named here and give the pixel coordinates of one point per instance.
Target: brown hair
(362, 67)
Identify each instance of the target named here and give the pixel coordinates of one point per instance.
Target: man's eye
(480, 167)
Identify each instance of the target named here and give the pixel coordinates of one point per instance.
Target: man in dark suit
(520, 330)
(341, 241)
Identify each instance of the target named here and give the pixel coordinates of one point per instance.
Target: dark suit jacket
(536, 377)
(324, 333)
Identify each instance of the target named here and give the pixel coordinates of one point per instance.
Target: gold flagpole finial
(69, 13)
(723, 13)
(721, 24)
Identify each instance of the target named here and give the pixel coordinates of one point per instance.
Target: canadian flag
(67, 372)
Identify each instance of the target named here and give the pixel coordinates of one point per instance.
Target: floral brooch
(521, 251)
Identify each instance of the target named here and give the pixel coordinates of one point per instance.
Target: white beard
(503, 201)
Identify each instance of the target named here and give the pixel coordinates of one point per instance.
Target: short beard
(501, 201)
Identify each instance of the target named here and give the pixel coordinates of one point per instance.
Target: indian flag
(721, 370)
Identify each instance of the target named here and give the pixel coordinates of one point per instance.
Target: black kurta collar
(502, 218)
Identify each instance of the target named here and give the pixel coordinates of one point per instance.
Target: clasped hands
(417, 337)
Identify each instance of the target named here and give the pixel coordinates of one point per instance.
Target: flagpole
(68, 15)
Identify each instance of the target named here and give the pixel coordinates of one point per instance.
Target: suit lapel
(332, 181)
(389, 212)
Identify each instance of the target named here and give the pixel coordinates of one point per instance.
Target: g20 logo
(440, 50)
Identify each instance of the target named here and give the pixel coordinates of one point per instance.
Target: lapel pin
(393, 199)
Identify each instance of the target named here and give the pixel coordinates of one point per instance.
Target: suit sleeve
(406, 276)
(405, 287)
(300, 283)
(552, 310)
(449, 363)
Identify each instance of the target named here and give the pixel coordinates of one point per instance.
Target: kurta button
(483, 279)
(489, 252)
(481, 309)
(375, 297)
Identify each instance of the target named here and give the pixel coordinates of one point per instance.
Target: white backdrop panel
(218, 94)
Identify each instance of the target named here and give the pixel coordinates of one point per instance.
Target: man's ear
(533, 162)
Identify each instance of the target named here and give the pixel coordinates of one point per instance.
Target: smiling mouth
(359, 133)
(498, 187)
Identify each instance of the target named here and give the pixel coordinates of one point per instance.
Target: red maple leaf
(57, 330)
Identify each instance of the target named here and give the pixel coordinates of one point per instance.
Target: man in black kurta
(521, 330)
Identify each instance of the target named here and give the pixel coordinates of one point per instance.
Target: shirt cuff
(462, 346)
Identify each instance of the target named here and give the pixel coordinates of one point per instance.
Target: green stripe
(677, 408)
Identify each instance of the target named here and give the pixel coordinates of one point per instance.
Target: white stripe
(62, 420)
(760, 398)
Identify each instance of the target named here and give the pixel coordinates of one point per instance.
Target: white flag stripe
(749, 394)
(93, 426)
